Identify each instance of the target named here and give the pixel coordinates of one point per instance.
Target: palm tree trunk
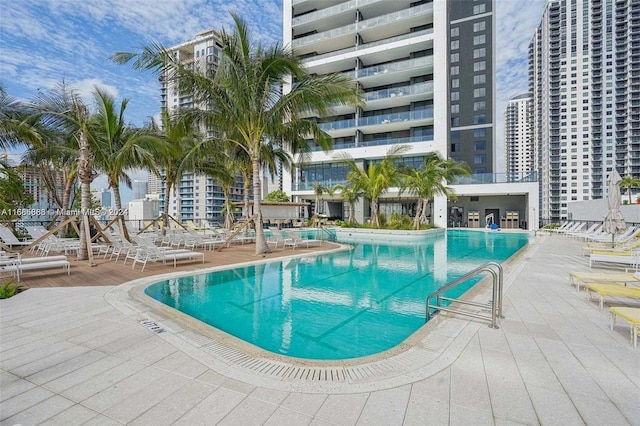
(423, 214)
(165, 208)
(228, 216)
(85, 172)
(245, 197)
(416, 218)
(261, 242)
(374, 213)
(351, 213)
(118, 202)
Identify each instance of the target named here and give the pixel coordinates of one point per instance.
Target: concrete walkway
(67, 356)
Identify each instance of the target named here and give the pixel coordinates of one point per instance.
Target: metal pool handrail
(497, 273)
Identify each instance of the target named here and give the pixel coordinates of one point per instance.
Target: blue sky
(43, 42)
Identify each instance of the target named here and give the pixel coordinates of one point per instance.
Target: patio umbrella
(614, 221)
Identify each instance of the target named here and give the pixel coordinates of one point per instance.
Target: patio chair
(632, 316)
(581, 278)
(631, 258)
(144, 255)
(11, 240)
(295, 240)
(18, 267)
(616, 290)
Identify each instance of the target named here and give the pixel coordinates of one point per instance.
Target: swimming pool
(335, 306)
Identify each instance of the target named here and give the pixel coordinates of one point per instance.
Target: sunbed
(16, 268)
(632, 258)
(581, 278)
(632, 315)
(7, 237)
(611, 290)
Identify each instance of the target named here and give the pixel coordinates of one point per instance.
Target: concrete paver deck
(68, 356)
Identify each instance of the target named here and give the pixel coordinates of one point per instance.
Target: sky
(45, 42)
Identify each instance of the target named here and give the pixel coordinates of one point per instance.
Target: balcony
(367, 45)
(481, 178)
(380, 27)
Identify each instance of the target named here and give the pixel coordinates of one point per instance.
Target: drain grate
(151, 325)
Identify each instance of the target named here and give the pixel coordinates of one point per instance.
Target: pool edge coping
(429, 350)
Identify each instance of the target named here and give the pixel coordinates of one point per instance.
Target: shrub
(277, 196)
(9, 289)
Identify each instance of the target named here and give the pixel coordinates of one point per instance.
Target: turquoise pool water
(335, 306)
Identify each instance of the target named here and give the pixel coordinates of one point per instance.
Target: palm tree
(318, 190)
(245, 95)
(118, 147)
(376, 179)
(629, 182)
(64, 111)
(186, 145)
(429, 181)
(17, 127)
(350, 195)
(222, 168)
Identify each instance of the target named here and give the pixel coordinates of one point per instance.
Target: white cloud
(86, 87)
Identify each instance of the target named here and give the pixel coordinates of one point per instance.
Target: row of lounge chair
(281, 238)
(613, 285)
(15, 264)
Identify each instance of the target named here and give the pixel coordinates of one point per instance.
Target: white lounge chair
(17, 268)
(632, 259)
(11, 240)
(294, 240)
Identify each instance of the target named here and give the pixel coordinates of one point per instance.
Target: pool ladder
(497, 274)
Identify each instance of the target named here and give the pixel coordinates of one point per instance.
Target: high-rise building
(139, 188)
(584, 78)
(427, 72)
(518, 135)
(154, 183)
(196, 197)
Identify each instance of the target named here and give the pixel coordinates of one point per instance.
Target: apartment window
(455, 31)
(479, 106)
(479, 79)
(455, 70)
(480, 92)
(455, 44)
(455, 96)
(479, 53)
(455, 109)
(479, 8)
(455, 57)
(479, 159)
(479, 39)
(480, 145)
(455, 83)
(455, 121)
(479, 26)
(479, 133)
(479, 119)
(455, 147)
(479, 66)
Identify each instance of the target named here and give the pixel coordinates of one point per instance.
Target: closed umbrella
(614, 221)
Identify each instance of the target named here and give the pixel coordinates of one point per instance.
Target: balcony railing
(496, 178)
(412, 89)
(378, 119)
(308, 186)
(368, 45)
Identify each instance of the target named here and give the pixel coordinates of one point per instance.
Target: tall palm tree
(245, 95)
(68, 114)
(429, 181)
(118, 147)
(629, 182)
(376, 179)
(186, 145)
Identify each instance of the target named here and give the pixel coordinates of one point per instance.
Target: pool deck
(81, 355)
